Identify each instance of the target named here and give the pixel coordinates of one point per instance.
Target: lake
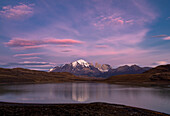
(153, 98)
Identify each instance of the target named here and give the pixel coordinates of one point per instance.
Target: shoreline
(81, 109)
(144, 84)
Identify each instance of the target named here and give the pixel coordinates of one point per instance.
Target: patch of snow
(102, 70)
(51, 69)
(81, 62)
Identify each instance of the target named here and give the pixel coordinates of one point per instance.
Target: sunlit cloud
(30, 44)
(45, 66)
(166, 38)
(26, 55)
(159, 63)
(33, 63)
(103, 21)
(31, 58)
(159, 36)
(17, 11)
(27, 63)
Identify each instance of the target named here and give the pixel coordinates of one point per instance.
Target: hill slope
(17, 75)
(158, 75)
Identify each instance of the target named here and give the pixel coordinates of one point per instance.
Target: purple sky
(40, 34)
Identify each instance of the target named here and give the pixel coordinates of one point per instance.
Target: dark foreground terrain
(92, 109)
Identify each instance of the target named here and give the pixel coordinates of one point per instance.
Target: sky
(40, 34)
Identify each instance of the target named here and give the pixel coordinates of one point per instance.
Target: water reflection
(80, 92)
(155, 98)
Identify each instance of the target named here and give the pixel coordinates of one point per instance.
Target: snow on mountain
(80, 62)
(83, 68)
(102, 70)
(50, 70)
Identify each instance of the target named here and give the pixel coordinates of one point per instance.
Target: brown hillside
(158, 75)
(31, 76)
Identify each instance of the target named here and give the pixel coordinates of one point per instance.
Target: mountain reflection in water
(154, 98)
(80, 92)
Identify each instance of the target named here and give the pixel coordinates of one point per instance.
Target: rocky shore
(91, 109)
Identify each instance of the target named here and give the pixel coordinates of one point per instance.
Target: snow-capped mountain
(79, 67)
(83, 68)
(80, 62)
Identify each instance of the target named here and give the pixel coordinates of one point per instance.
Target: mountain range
(83, 68)
(159, 75)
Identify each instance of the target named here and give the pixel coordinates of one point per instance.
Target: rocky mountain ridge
(83, 68)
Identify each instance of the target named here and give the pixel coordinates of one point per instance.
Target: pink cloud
(109, 20)
(120, 21)
(166, 38)
(162, 62)
(62, 41)
(158, 36)
(34, 63)
(17, 11)
(159, 63)
(129, 21)
(18, 42)
(28, 47)
(32, 47)
(31, 58)
(24, 55)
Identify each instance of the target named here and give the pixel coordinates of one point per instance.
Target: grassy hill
(157, 75)
(20, 75)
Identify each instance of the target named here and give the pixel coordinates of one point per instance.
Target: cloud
(30, 65)
(31, 58)
(66, 51)
(32, 47)
(110, 20)
(159, 63)
(168, 18)
(159, 36)
(30, 44)
(17, 11)
(27, 63)
(25, 55)
(62, 41)
(166, 38)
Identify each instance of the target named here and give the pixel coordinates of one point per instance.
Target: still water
(154, 98)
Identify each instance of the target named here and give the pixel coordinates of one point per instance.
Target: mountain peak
(80, 62)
